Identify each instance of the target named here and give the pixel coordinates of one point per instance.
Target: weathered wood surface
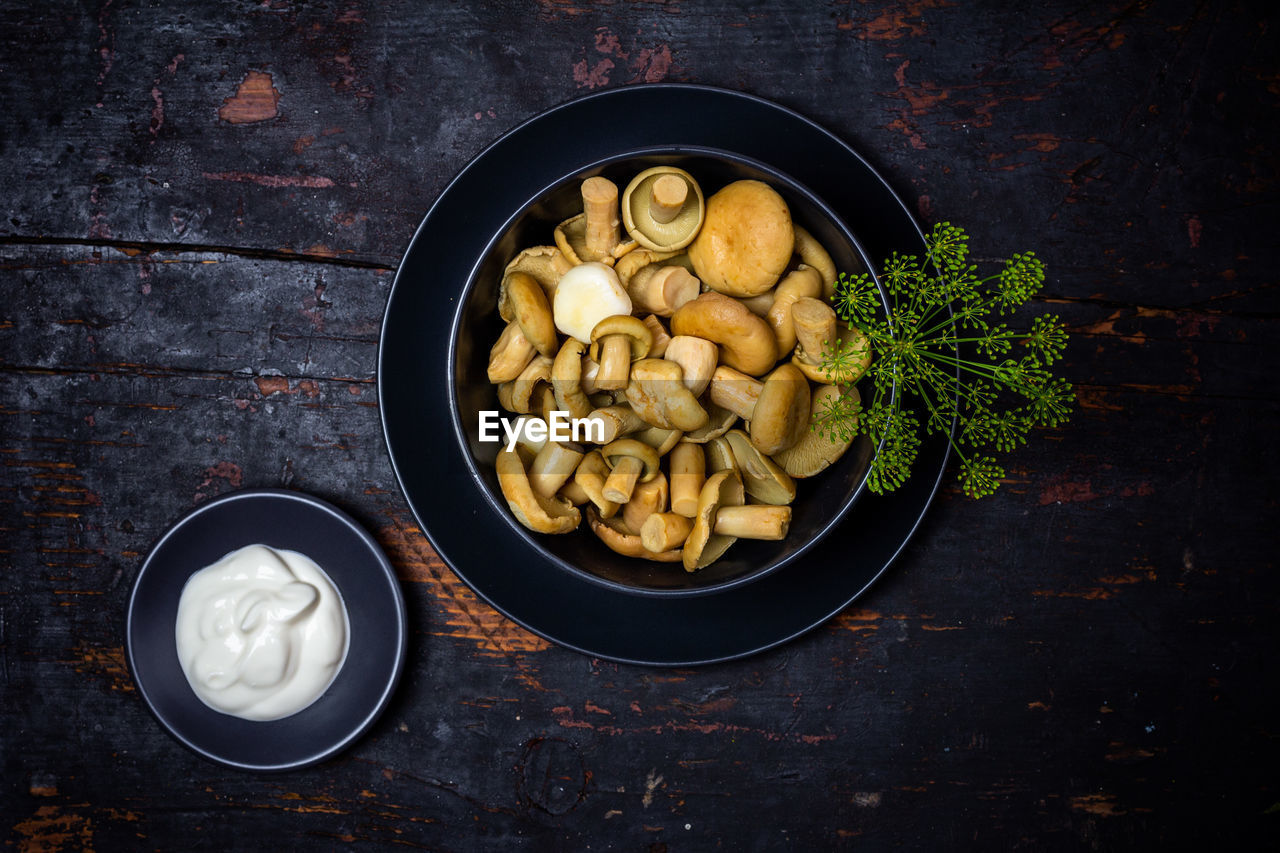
(206, 204)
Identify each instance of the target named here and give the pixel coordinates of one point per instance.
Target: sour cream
(261, 633)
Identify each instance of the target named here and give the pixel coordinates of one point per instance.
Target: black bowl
(369, 589)
(820, 502)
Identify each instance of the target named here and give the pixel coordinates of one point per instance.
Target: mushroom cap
(623, 324)
(648, 231)
(815, 452)
(719, 420)
(658, 394)
(612, 532)
(545, 263)
(851, 339)
(746, 239)
(509, 355)
(761, 477)
(746, 341)
(566, 379)
(623, 447)
(539, 514)
(813, 254)
(781, 415)
(586, 295)
(704, 546)
(591, 473)
(522, 300)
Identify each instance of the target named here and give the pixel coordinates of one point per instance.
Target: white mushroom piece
(761, 476)
(536, 512)
(586, 295)
(616, 341)
(815, 452)
(746, 342)
(630, 462)
(777, 408)
(663, 208)
(818, 334)
(723, 519)
(746, 240)
(595, 234)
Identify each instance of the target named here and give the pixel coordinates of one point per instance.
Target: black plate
(426, 452)
(357, 567)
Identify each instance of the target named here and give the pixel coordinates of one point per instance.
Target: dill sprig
(964, 365)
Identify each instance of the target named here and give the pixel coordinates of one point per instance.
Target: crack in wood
(147, 247)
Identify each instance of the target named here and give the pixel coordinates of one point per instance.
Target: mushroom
(719, 456)
(697, 359)
(616, 341)
(566, 380)
(719, 420)
(586, 295)
(819, 335)
(778, 407)
(521, 300)
(510, 354)
(661, 440)
(545, 263)
(657, 393)
(539, 514)
(663, 531)
(688, 473)
(630, 461)
(746, 239)
(594, 234)
(746, 341)
(660, 337)
(812, 253)
(612, 532)
(761, 477)
(617, 421)
(519, 395)
(804, 281)
(553, 466)
(722, 519)
(663, 208)
(760, 303)
(662, 289)
(647, 499)
(590, 476)
(815, 452)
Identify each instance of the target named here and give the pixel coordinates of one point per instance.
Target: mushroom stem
(661, 340)
(600, 203)
(615, 362)
(753, 522)
(663, 531)
(736, 391)
(688, 473)
(697, 359)
(664, 290)
(647, 499)
(554, 464)
(666, 197)
(815, 326)
(617, 420)
(622, 479)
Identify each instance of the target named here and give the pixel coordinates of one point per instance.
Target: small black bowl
(357, 567)
(821, 501)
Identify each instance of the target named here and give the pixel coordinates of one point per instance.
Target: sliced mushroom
(586, 295)
(617, 341)
(663, 208)
(812, 253)
(664, 531)
(761, 477)
(553, 466)
(660, 337)
(662, 289)
(510, 354)
(539, 514)
(522, 300)
(746, 341)
(545, 263)
(697, 359)
(815, 452)
(688, 473)
(590, 477)
(804, 282)
(647, 499)
(657, 393)
(630, 461)
(746, 239)
(778, 407)
(613, 533)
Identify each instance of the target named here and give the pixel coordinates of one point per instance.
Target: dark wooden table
(205, 208)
